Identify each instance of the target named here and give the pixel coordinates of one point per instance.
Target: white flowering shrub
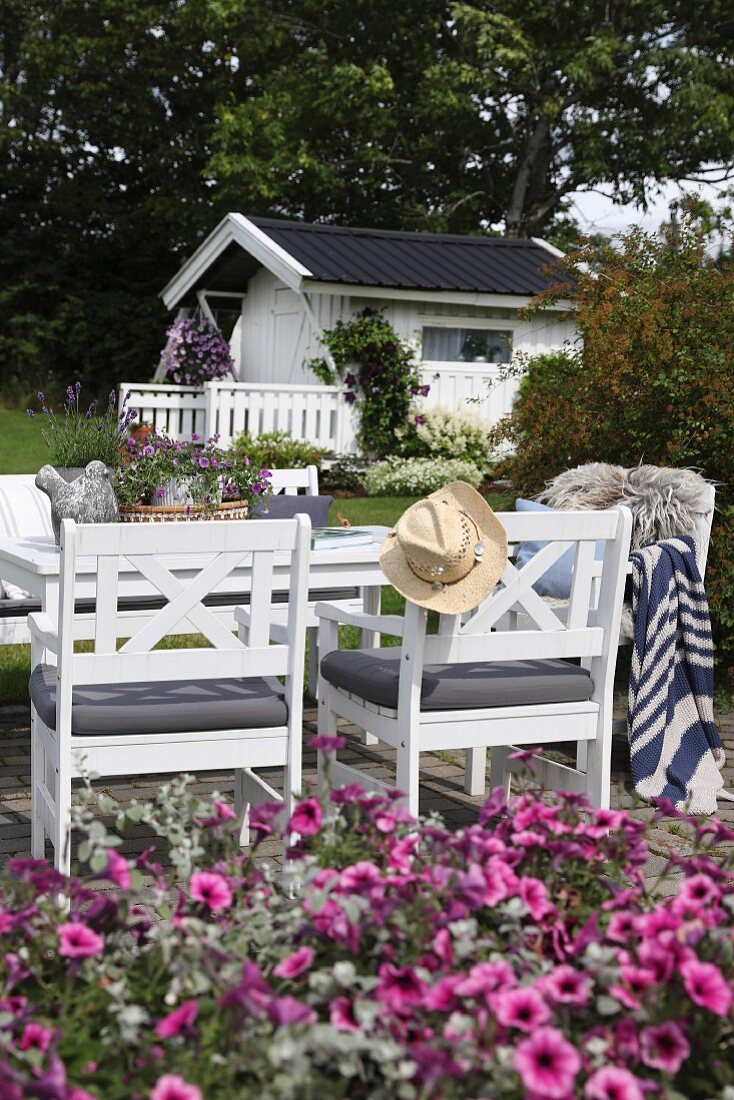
(410, 477)
(451, 433)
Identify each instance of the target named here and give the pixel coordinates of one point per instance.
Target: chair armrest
(277, 632)
(43, 629)
(382, 624)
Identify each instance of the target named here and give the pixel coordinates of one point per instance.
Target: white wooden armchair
(145, 710)
(475, 684)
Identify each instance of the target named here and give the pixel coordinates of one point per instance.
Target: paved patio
(441, 788)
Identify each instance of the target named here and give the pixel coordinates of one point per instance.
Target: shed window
(466, 345)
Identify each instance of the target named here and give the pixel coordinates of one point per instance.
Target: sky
(598, 214)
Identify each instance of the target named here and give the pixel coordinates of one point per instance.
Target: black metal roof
(413, 261)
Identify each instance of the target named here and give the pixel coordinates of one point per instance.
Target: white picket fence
(315, 413)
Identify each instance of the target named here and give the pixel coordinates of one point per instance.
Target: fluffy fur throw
(665, 502)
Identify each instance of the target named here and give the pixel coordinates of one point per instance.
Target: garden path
(441, 789)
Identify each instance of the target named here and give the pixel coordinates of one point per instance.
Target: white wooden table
(33, 564)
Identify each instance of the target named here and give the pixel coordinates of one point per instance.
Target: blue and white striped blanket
(675, 746)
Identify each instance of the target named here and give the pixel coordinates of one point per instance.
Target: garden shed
(457, 296)
(275, 286)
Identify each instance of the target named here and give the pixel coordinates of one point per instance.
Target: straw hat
(447, 552)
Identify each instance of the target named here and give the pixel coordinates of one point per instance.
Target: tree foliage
(105, 114)
(127, 130)
(453, 115)
(652, 381)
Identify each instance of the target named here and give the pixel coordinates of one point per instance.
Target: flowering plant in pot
(192, 475)
(195, 352)
(85, 435)
(521, 957)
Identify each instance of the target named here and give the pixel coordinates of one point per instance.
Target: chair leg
(408, 774)
(599, 770)
(499, 774)
(475, 770)
(38, 774)
(312, 681)
(242, 807)
(61, 838)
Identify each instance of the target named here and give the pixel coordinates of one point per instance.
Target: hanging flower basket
(181, 513)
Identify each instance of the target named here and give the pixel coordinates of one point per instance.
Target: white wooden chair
(474, 685)
(289, 481)
(149, 710)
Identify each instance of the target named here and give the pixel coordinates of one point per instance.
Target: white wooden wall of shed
(277, 336)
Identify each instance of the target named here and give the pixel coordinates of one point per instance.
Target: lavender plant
(85, 435)
(208, 473)
(195, 352)
(521, 957)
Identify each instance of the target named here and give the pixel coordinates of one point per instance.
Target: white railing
(318, 414)
(480, 390)
(175, 411)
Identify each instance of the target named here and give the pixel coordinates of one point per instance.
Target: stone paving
(442, 789)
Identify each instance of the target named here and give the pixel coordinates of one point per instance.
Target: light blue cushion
(556, 581)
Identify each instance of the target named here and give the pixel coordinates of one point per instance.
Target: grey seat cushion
(160, 707)
(281, 506)
(372, 674)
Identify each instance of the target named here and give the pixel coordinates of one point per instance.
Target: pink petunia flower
(400, 987)
(79, 942)
(341, 1015)
(75, 1093)
(523, 1008)
(327, 743)
(306, 818)
(118, 870)
(706, 986)
(535, 896)
(696, 893)
(566, 986)
(172, 1087)
(297, 963)
(178, 1022)
(211, 889)
(36, 1036)
(613, 1083)
(286, 1011)
(547, 1063)
(664, 1046)
(487, 978)
(360, 877)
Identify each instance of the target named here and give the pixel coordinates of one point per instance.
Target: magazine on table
(338, 538)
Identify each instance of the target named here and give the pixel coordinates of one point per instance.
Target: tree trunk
(533, 163)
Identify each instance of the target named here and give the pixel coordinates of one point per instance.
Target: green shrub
(279, 450)
(653, 382)
(381, 376)
(410, 477)
(448, 433)
(346, 472)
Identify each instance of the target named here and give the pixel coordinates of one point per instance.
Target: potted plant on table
(84, 435)
(165, 479)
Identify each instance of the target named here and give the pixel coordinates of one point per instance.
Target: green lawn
(22, 449)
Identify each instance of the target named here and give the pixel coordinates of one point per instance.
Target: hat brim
(464, 594)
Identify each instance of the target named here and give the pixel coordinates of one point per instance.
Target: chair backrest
(24, 509)
(704, 519)
(288, 482)
(582, 631)
(185, 564)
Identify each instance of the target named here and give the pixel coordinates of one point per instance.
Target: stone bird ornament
(88, 499)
